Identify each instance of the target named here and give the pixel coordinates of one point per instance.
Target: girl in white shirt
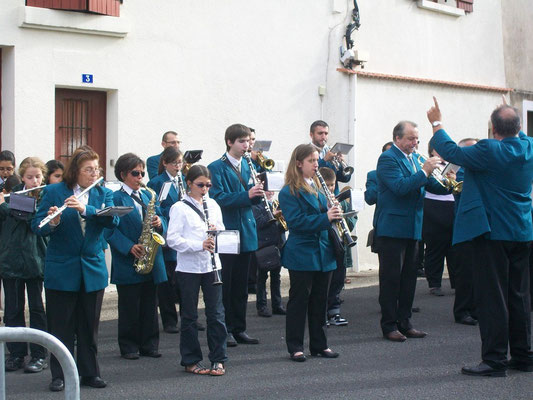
(187, 234)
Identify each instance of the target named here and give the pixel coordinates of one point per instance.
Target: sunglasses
(137, 173)
(201, 185)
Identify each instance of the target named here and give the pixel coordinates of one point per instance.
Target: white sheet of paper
(450, 167)
(358, 199)
(163, 193)
(275, 181)
(228, 242)
(113, 185)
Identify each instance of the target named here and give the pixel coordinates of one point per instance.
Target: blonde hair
(293, 177)
(32, 162)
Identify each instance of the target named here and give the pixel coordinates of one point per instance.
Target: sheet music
(450, 167)
(228, 242)
(358, 200)
(163, 193)
(275, 181)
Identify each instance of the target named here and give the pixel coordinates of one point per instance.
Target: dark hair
(80, 155)
(234, 132)
(53, 166)
(318, 123)
(503, 123)
(164, 138)
(126, 163)
(384, 148)
(327, 173)
(170, 154)
(7, 155)
(463, 141)
(195, 171)
(399, 129)
(11, 182)
(252, 130)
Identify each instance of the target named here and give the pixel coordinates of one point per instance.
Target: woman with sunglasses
(75, 272)
(187, 234)
(138, 328)
(170, 164)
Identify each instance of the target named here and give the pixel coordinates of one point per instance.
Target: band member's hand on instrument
(73, 202)
(156, 222)
(209, 244)
(430, 164)
(137, 250)
(57, 219)
(329, 156)
(277, 213)
(434, 113)
(334, 213)
(451, 175)
(256, 191)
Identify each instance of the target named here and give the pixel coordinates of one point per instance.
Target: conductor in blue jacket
(307, 254)
(402, 182)
(138, 328)
(494, 213)
(75, 272)
(235, 193)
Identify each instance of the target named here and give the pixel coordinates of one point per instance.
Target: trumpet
(266, 163)
(341, 165)
(280, 218)
(437, 174)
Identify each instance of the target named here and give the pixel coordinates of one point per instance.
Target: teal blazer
(152, 165)
(401, 192)
(308, 247)
(495, 200)
(234, 202)
(371, 192)
(124, 236)
(340, 176)
(71, 257)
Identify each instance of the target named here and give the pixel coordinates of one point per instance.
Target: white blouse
(187, 232)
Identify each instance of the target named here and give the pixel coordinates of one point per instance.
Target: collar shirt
(321, 151)
(236, 163)
(411, 160)
(129, 191)
(187, 232)
(82, 199)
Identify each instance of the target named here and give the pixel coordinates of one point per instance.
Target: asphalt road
(369, 366)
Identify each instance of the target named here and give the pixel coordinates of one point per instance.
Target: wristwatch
(436, 123)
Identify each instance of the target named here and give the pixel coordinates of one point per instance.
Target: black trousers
(235, 289)
(168, 296)
(501, 279)
(335, 288)
(138, 328)
(191, 352)
(275, 288)
(74, 317)
(308, 297)
(252, 273)
(397, 282)
(531, 273)
(14, 290)
(464, 289)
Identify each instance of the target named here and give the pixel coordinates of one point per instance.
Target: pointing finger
(436, 103)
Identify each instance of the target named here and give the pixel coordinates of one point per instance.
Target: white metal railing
(54, 345)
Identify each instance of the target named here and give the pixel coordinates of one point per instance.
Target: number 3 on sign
(87, 78)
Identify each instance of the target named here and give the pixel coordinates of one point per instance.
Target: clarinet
(216, 272)
(264, 199)
(181, 187)
(339, 227)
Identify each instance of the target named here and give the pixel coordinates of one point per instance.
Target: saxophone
(149, 239)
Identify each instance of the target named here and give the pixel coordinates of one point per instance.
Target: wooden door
(80, 120)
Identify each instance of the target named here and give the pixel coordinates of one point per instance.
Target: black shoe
(436, 291)
(415, 309)
(93, 381)
(130, 356)
(243, 338)
(520, 366)
(279, 311)
(299, 357)
(171, 329)
(252, 290)
(337, 320)
(36, 365)
(151, 353)
(483, 370)
(230, 341)
(328, 353)
(263, 312)
(466, 320)
(420, 273)
(57, 385)
(14, 363)
(200, 326)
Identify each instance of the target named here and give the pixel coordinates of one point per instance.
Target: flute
(49, 218)
(218, 280)
(24, 191)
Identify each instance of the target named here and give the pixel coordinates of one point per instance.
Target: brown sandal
(197, 369)
(217, 369)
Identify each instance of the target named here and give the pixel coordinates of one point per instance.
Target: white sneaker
(338, 320)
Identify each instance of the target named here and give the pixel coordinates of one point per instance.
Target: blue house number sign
(87, 78)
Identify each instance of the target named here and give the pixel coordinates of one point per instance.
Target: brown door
(80, 120)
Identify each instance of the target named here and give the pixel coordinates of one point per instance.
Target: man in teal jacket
(494, 213)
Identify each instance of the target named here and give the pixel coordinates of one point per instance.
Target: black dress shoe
(328, 353)
(263, 312)
(36, 365)
(230, 341)
(279, 311)
(483, 370)
(171, 329)
(413, 333)
(243, 338)
(130, 356)
(466, 320)
(151, 353)
(14, 363)
(200, 326)
(57, 385)
(298, 358)
(395, 336)
(520, 366)
(93, 381)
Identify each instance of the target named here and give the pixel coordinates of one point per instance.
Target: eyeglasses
(136, 173)
(173, 142)
(8, 169)
(91, 171)
(201, 185)
(176, 163)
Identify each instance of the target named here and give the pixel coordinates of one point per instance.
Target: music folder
(343, 148)
(118, 211)
(227, 241)
(274, 181)
(262, 145)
